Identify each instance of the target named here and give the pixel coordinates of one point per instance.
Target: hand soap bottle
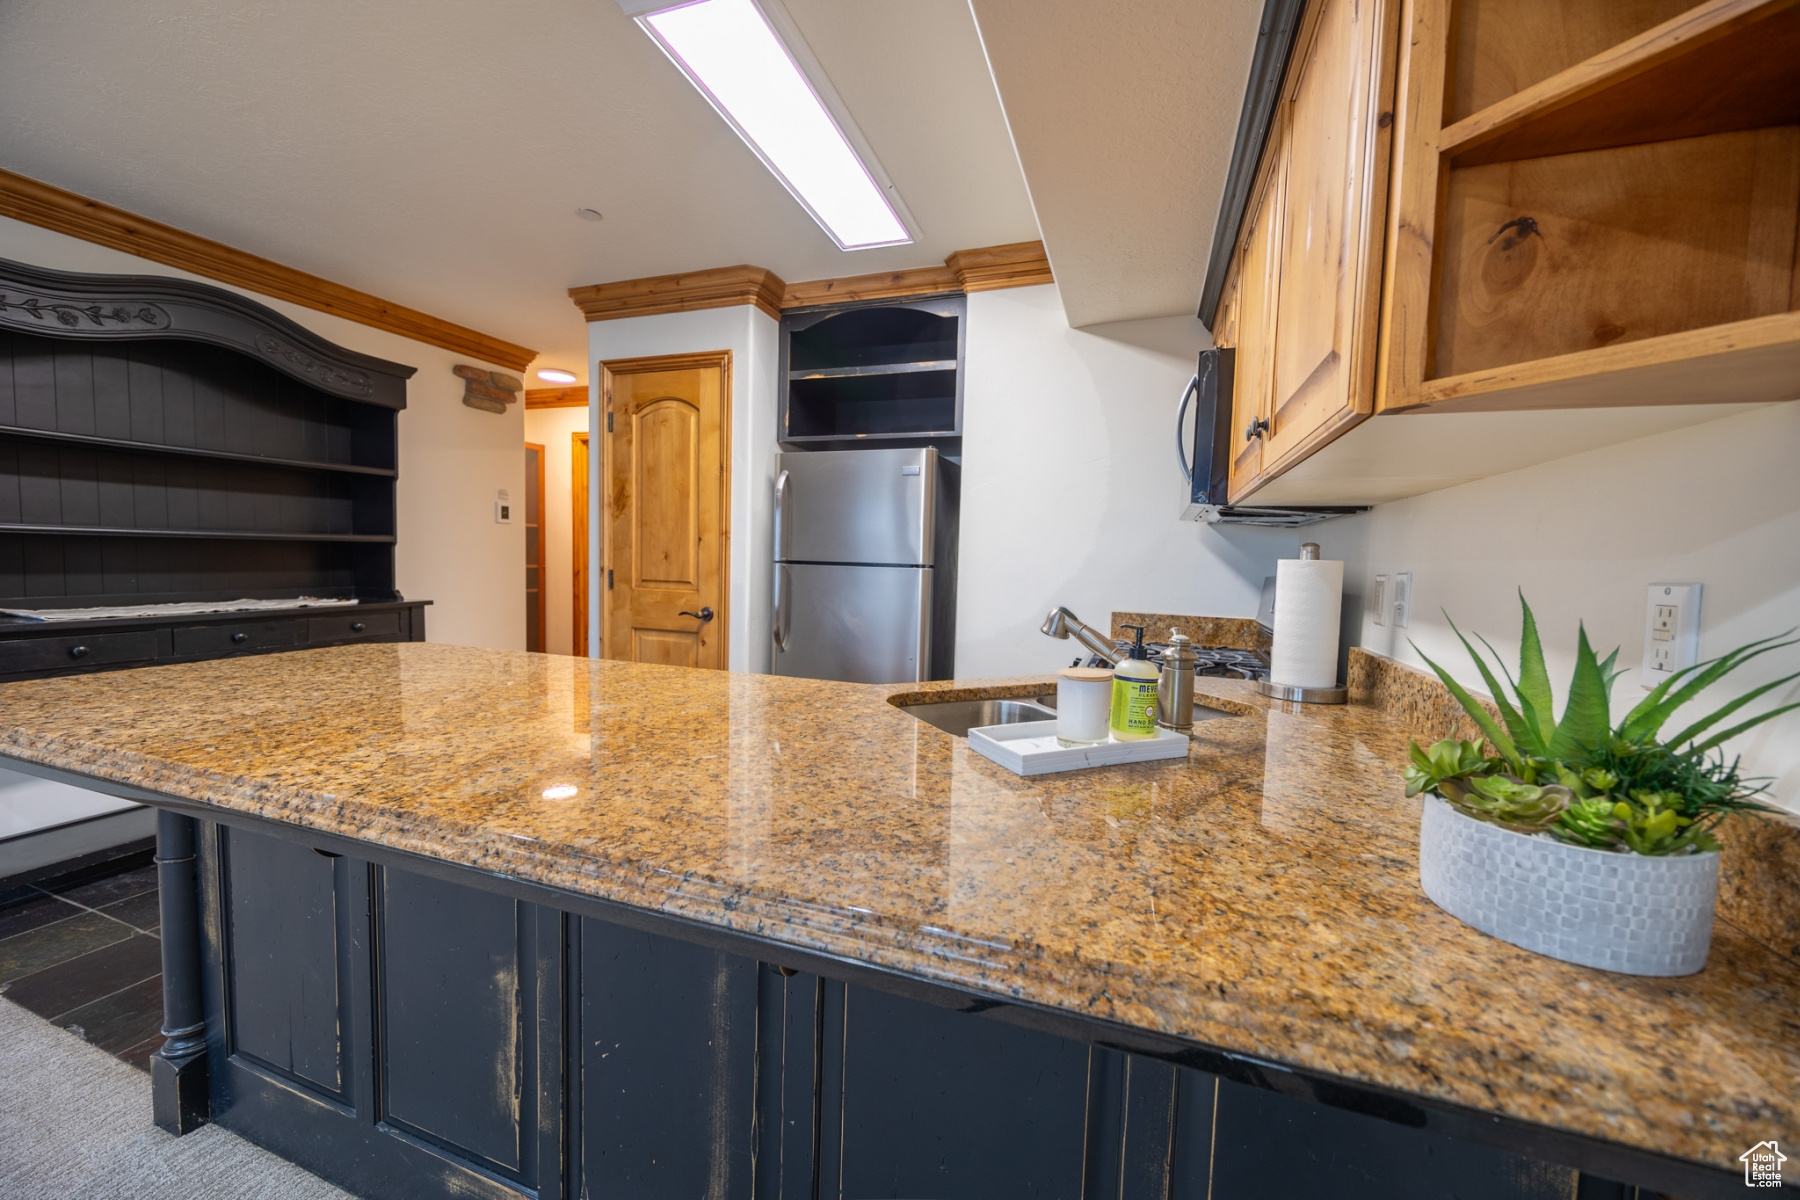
(1134, 694)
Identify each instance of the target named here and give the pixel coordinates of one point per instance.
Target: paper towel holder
(1305, 695)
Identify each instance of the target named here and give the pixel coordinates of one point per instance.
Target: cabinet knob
(356, 627)
(78, 651)
(1255, 429)
(240, 637)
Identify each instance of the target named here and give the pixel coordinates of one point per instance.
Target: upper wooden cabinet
(1590, 205)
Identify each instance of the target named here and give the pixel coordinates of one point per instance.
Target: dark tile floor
(82, 951)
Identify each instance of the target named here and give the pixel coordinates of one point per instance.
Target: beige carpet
(75, 1125)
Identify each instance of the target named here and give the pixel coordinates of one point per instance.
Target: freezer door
(858, 624)
(855, 506)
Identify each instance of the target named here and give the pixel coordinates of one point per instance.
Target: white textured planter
(1629, 913)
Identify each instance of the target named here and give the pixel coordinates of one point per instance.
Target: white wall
(751, 336)
(551, 428)
(452, 459)
(1071, 492)
(1716, 504)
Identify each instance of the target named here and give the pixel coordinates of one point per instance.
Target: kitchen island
(488, 923)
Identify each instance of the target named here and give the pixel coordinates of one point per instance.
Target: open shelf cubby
(1585, 149)
(878, 370)
(1717, 67)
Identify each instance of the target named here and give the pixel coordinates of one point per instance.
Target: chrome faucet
(1061, 623)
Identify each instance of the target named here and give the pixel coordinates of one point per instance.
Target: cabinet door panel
(454, 969)
(1267, 1144)
(1329, 277)
(932, 1104)
(1255, 333)
(288, 999)
(668, 1066)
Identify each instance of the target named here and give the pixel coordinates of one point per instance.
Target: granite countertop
(1260, 896)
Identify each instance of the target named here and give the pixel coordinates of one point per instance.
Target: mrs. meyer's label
(1133, 705)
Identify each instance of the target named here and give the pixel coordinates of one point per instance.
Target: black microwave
(1208, 469)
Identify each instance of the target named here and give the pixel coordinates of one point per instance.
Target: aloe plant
(1581, 777)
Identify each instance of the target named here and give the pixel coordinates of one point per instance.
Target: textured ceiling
(1124, 115)
(433, 152)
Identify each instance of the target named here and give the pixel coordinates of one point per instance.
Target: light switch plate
(1671, 630)
(1402, 599)
(503, 507)
(1379, 597)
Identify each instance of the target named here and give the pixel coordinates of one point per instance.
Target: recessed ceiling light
(556, 375)
(588, 214)
(729, 50)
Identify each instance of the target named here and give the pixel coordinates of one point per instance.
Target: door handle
(778, 621)
(705, 614)
(781, 494)
(1193, 389)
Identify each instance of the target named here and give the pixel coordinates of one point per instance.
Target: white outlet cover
(1671, 630)
(1402, 599)
(1379, 599)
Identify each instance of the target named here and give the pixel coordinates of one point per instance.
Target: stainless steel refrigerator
(865, 565)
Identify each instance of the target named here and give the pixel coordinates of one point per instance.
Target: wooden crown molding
(557, 397)
(720, 287)
(1017, 264)
(890, 285)
(52, 208)
(1020, 264)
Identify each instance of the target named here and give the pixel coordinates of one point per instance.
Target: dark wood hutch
(163, 441)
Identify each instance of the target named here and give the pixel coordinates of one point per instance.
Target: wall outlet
(1378, 599)
(1671, 630)
(503, 507)
(1402, 599)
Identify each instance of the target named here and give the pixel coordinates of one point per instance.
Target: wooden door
(534, 547)
(578, 549)
(667, 488)
(1333, 161)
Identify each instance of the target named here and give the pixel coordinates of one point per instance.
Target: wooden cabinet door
(1253, 318)
(1333, 167)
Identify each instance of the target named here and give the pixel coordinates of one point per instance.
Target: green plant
(1582, 778)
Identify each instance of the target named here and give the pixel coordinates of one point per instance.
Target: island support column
(179, 1098)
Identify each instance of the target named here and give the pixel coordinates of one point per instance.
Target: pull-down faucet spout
(1061, 623)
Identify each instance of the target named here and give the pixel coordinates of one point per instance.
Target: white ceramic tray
(1029, 748)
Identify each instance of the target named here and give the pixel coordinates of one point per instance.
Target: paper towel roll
(1309, 596)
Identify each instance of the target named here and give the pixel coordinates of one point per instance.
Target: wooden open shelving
(1720, 67)
(1596, 222)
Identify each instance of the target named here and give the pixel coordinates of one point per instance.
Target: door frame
(535, 489)
(608, 369)
(578, 557)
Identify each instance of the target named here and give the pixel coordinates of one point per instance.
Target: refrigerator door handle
(781, 499)
(779, 620)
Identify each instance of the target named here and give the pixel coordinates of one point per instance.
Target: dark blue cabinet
(407, 1036)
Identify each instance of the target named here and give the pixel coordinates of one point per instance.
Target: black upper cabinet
(878, 371)
(162, 440)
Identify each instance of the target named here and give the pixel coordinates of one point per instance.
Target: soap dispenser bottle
(1134, 694)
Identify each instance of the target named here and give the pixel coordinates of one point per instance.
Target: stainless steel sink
(960, 716)
(1201, 711)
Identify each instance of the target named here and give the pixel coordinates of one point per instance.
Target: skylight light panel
(728, 50)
